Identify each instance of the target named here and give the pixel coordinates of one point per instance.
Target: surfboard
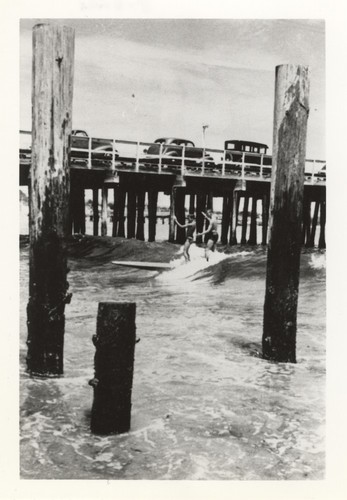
(142, 265)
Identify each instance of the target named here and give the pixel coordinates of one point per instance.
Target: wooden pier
(135, 179)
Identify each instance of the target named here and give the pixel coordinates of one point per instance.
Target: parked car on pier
(172, 150)
(252, 152)
(101, 149)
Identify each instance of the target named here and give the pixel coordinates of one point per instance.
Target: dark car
(254, 153)
(172, 151)
(101, 149)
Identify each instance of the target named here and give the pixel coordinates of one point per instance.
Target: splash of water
(318, 261)
(180, 269)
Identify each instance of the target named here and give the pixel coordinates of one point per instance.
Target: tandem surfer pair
(211, 231)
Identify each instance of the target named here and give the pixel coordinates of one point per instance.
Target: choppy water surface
(205, 405)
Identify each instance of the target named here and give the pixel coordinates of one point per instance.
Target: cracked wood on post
(52, 89)
(114, 366)
(287, 189)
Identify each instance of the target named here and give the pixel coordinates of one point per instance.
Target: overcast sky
(140, 79)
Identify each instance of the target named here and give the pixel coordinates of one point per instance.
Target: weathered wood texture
(287, 189)
(52, 90)
(114, 367)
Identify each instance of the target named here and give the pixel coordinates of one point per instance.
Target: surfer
(191, 226)
(211, 231)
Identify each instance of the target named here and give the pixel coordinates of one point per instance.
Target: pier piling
(253, 227)
(152, 213)
(104, 199)
(113, 368)
(121, 210)
(52, 77)
(181, 215)
(95, 211)
(244, 219)
(287, 191)
(131, 214)
(140, 228)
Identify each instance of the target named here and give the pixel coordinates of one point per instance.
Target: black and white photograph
(172, 249)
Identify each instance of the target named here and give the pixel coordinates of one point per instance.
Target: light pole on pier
(204, 127)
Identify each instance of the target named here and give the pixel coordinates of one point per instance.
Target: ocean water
(205, 405)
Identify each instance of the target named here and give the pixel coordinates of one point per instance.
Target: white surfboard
(142, 265)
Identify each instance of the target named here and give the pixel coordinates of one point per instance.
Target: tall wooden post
(172, 225)
(95, 211)
(287, 191)
(52, 90)
(140, 228)
(114, 367)
(152, 213)
(104, 199)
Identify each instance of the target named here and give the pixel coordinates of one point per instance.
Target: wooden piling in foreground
(287, 191)
(52, 90)
(113, 368)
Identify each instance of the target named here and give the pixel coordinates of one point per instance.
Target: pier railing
(132, 156)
